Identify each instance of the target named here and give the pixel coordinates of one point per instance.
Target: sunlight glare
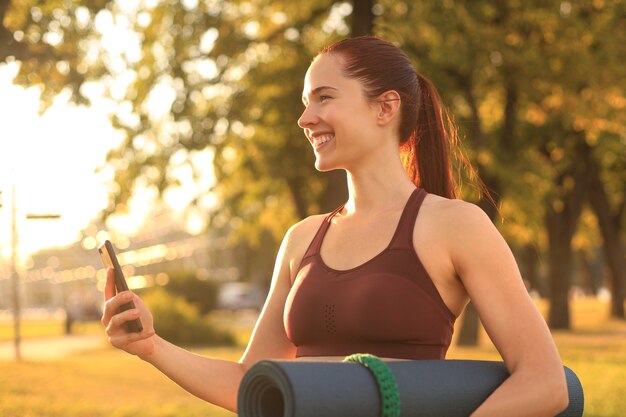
(52, 159)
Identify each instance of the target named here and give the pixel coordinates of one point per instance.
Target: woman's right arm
(214, 380)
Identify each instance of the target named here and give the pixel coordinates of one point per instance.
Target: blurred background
(170, 128)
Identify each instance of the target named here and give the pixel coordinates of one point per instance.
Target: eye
(324, 98)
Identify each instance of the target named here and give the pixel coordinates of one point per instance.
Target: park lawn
(102, 383)
(110, 383)
(46, 327)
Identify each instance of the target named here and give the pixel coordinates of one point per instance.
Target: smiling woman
(389, 271)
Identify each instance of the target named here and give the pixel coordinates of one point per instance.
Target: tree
(50, 40)
(513, 74)
(234, 74)
(224, 79)
(610, 215)
(574, 109)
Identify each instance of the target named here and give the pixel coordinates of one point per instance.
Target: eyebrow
(317, 90)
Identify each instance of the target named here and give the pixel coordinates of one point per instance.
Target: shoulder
(297, 240)
(460, 227)
(304, 230)
(468, 234)
(454, 214)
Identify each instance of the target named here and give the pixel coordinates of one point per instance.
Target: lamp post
(15, 273)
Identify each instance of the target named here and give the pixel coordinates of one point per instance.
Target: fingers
(112, 305)
(122, 339)
(118, 320)
(109, 287)
(118, 336)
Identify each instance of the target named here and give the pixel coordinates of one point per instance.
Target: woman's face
(338, 120)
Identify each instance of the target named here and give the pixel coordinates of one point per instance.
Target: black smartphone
(107, 253)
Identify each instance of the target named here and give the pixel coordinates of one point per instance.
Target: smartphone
(107, 253)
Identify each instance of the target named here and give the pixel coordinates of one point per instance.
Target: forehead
(325, 70)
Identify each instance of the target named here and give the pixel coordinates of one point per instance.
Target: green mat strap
(387, 386)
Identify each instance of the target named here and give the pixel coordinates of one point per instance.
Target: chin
(324, 166)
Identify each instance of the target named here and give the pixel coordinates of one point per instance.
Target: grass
(102, 383)
(48, 327)
(106, 382)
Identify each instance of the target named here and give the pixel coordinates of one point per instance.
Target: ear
(388, 106)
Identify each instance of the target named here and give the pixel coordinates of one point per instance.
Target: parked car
(240, 296)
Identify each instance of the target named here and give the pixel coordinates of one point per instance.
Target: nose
(308, 117)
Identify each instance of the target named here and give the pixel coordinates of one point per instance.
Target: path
(51, 348)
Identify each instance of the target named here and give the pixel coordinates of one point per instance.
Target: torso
(358, 240)
(351, 242)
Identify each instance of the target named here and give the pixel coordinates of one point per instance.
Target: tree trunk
(336, 192)
(296, 189)
(561, 218)
(560, 258)
(362, 18)
(587, 273)
(609, 223)
(470, 327)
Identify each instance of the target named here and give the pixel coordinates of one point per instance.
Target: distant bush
(200, 293)
(177, 320)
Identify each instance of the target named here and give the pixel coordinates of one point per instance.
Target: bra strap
(316, 243)
(404, 234)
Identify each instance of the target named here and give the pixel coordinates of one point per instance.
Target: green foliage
(234, 72)
(202, 294)
(530, 84)
(179, 322)
(523, 80)
(51, 40)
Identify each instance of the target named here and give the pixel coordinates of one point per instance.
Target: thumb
(109, 287)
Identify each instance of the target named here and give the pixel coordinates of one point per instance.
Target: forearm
(213, 380)
(526, 394)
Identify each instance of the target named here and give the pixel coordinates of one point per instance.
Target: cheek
(359, 126)
(351, 122)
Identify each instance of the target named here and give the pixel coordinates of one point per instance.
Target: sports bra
(387, 306)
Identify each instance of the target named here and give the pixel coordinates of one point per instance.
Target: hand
(140, 344)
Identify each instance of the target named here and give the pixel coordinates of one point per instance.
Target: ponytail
(425, 153)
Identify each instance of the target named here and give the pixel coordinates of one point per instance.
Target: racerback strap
(403, 238)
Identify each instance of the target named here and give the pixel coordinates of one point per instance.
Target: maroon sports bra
(387, 306)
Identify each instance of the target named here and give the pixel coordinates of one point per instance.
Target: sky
(57, 161)
(57, 164)
(53, 162)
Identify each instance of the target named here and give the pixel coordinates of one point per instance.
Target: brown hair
(427, 132)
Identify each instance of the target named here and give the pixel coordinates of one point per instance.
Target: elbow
(550, 392)
(557, 391)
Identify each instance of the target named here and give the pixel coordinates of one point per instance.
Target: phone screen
(107, 253)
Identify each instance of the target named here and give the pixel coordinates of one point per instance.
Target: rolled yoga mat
(430, 388)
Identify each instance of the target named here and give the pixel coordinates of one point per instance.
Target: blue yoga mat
(433, 388)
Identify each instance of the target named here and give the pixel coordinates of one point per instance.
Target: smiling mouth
(319, 141)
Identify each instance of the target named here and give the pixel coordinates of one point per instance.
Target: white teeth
(322, 139)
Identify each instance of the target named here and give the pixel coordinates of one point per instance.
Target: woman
(388, 272)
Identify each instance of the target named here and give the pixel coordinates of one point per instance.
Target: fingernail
(128, 296)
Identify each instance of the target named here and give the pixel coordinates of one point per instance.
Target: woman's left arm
(484, 263)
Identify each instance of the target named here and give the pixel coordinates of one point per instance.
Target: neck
(380, 186)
